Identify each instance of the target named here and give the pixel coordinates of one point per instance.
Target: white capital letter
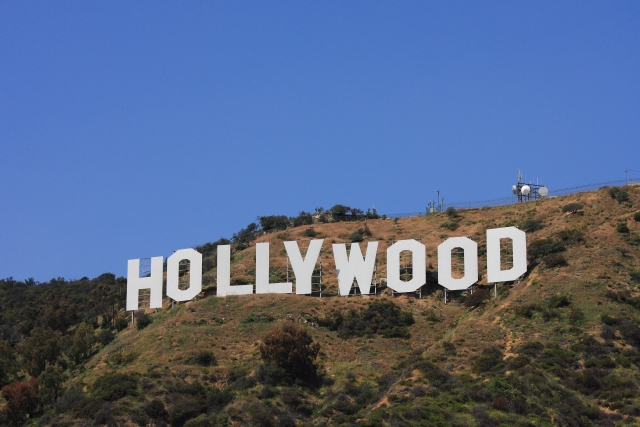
(519, 241)
(470, 263)
(262, 274)
(303, 269)
(195, 274)
(224, 287)
(418, 263)
(354, 267)
(153, 283)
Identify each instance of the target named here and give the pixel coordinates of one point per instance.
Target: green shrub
(477, 298)
(559, 301)
(356, 236)
(451, 212)
(544, 247)
(555, 260)
(155, 409)
(310, 232)
(114, 386)
(380, 317)
(622, 228)
(143, 321)
(450, 225)
(105, 336)
(636, 216)
(613, 192)
(258, 318)
(572, 207)
(489, 360)
(571, 237)
(531, 225)
(200, 421)
(204, 358)
(291, 347)
(184, 408)
(121, 323)
(622, 196)
(635, 276)
(218, 398)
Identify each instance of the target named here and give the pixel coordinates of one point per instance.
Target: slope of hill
(559, 347)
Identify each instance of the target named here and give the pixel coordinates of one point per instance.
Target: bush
(544, 247)
(572, 207)
(310, 232)
(636, 216)
(531, 225)
(451, 212)
(613, 192)
(114, 386)
(571, 237)
(204, 358)
(143, 321)
(356, 237)
(105, 336)
(489, 360)
(23, 399)
(555, 260)
(185, 408)
(622, 228)
(291, 347)
(218, 398)
(155, 409)
(121, 323)
(622, 196)
(380, 317)
(200, 421)
(450, 225)
(477, 298)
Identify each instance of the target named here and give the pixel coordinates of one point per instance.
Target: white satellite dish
(514, 189)
(543, 191)
(525, 190)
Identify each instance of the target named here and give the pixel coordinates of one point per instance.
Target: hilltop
(561, 346)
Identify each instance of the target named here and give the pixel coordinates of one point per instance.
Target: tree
(106, 300)
(143, 321)
(51, 381)
(23, 399)
(81, 343)
(8, 367)
(42, 347)
(247, 234)
(572, 207)
(274, 222)
(291, 348)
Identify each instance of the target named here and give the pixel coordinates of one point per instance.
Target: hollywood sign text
(349, 267)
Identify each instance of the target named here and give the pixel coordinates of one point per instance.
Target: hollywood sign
(348, 267)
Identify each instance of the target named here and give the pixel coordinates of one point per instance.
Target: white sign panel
(470, 263)
(303, 268)
(355, 266)
(519, 241)
(418, 264)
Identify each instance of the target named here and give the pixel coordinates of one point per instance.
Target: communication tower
(526, 192)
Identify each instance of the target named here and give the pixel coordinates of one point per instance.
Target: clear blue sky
(130, 129)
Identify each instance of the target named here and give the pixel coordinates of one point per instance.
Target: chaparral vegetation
(559, 347)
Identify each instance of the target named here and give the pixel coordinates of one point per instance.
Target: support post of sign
(495, 290)
(132, 317)
(445, 295)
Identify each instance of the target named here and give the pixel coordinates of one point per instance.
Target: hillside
(560, 347)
